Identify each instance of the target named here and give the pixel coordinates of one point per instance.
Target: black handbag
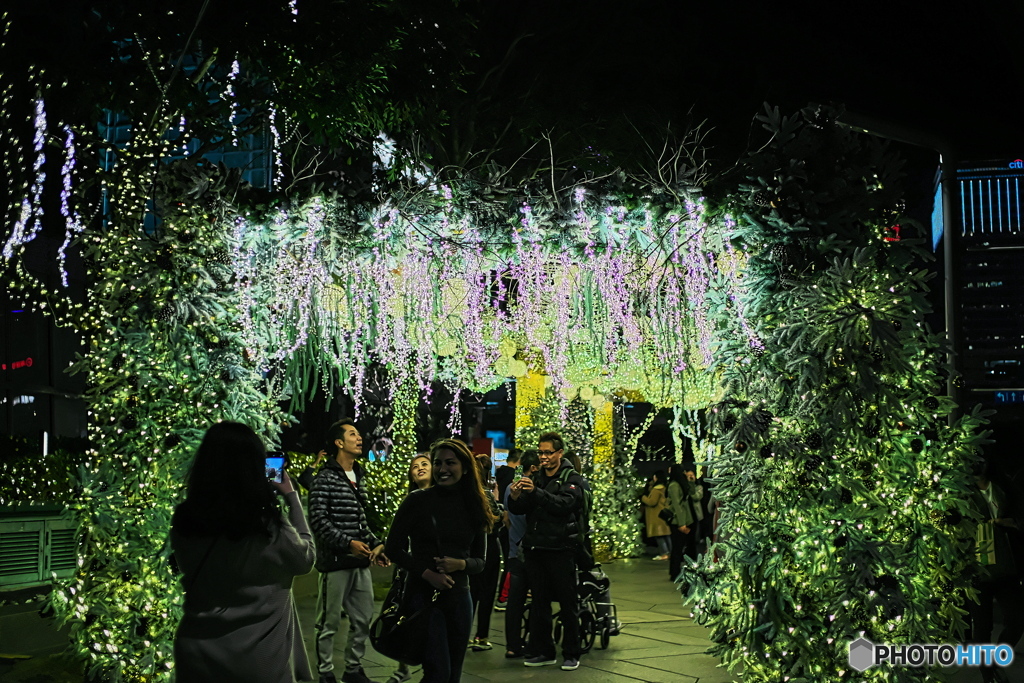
(665, 514)
(399, 631)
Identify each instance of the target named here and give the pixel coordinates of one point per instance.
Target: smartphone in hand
(275, 467)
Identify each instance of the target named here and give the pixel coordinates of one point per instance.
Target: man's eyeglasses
(547, 452)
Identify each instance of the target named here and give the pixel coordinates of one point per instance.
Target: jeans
(448, 626)
(516, 604)
(552, 577)
(664, 547)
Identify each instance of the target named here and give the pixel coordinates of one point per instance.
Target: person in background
(419, 479)
(655, 500)
(345, 549)
(682, 493)
(239, 550)
(307, 475)
(438, 536)
(516, 604)
(503, 477)
(484, 586)
(707, 508)
(419, 472)
(553, 506)
(696, 510)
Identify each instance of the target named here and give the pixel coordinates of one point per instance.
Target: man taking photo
(553, 504)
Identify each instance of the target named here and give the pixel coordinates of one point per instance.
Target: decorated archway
(781, 306)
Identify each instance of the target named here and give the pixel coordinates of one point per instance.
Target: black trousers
(484, 586)
(1008, 593)
(692, 548)
(503, 540)
(682, 544)
(515, 605)
(552, 578)
(447, 632)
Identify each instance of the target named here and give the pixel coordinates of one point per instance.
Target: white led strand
(72, 221)
(31, 208)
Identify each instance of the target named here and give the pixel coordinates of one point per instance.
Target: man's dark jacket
(337, 517)
(553, 510)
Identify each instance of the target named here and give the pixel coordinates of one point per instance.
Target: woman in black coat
(439, 537)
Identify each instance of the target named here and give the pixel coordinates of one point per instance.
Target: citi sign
(1017, 163)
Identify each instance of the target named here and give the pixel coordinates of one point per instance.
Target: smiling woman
(447, 468)
(419, 472)
(438, 536)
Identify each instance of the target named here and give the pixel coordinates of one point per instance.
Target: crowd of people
(678, 515)
(463, 538)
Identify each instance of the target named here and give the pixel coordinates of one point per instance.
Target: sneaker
(513, 654)
(480, 644)
(399, 677)
(500, 607)
(540, 660)
(570, 664)
(357, 676)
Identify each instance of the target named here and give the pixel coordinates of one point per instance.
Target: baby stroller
(597, 614)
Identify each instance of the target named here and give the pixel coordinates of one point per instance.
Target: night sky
(955, 73)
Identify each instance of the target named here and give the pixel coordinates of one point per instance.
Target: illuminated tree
(161, 317)
(843, 481)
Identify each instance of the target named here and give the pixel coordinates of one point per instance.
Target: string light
(28, 224)
(229, 96)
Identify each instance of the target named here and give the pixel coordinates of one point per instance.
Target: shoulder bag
(399, 631)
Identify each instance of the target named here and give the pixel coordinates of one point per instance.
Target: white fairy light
(181, 136)
(229, 96)
(276, 147)
(72, 222)
(31, 209)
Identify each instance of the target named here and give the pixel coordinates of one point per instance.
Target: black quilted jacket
(337, 517)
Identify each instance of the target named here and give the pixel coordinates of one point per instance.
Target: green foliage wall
(843, 475)
(163, 362)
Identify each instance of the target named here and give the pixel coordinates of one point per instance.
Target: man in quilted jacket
(345, 547)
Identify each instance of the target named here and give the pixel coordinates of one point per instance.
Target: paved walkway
(659, 642)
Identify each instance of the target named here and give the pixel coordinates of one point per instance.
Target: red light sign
(18, 364)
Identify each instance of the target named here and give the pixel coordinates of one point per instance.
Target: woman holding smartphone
(238, 549)
(438, 536)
